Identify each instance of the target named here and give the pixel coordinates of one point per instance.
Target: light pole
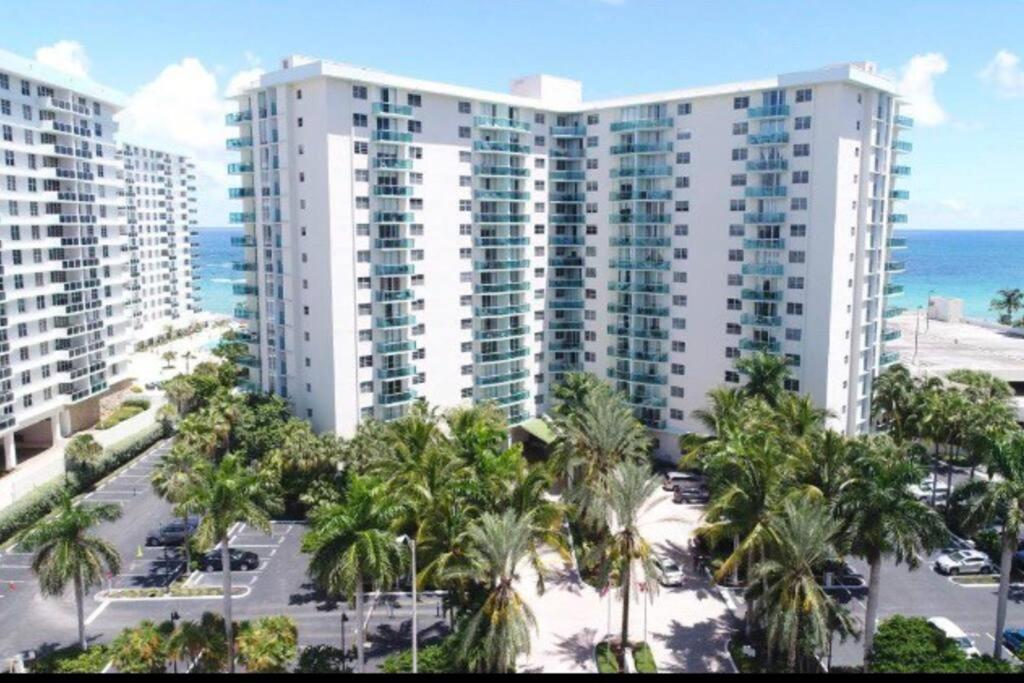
(404, 539)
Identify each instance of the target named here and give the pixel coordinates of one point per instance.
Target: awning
(539, 429)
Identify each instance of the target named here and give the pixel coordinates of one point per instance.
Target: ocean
(967, 264)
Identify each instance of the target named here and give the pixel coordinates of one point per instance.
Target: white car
(954, 633)
(923, 491)
(669, 573)
(964, 562)
(674, 479)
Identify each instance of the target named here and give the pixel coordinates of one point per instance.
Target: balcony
(245, 266)
(502, 171)
(244, 241)
(758, 345)
(501, 287)
(895, 266)
(646, 401)
(390, 295)
(239, 143)
(641, 124)
(503, 264)
(244, 290)
(500, 311)
(775, 111)
(241, 192)
(500, 218)
(639, 287)
(568, 131)
(637, 332)
(638, 377)
(393, 243)
(392, 399)
(565, 325)
(505, 147)
(501, 356)
(893, 312)
(567, 197)
(566, 261)
(640, 218)
(396, 321)
(243, 313)
(392, 216)
(779, 137)
(762, 269)
(392, 191)
(764, 217)
(567, 218)
(644, 264)
(640, 195)
(506, 195)
(238, 169)
(901, 170)
(392, 164)
(386, 269)
(238, 117)
(761, 320)
(903, 146)
(504, 378)
(891, 334)
(896, 242)
(774, 191)
(501, 333)
(388, 348)
(396, 372)
(248, 217)
(758, 165)
(500, 123)
(754, 243)
(760, 295)
(565, 304)
(640, 241)
(641, 172)
(633, 354)
(899, 194)
(392, 109)
(898, 218)
(565, 283)
(889, 357)
(642, 148)
(391, 136)
(904, 122)
(892, 289)
(636, 309)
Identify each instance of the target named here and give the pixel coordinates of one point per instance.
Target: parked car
(840, 575)
(691, 494)
(923, 491)
(1013, 638)
(174, 532)
(669, 573)
(964, 562)
(674, 479)
(954, 633)
(241, 560)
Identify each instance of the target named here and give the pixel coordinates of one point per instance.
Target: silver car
(964, 562)
(669, 573)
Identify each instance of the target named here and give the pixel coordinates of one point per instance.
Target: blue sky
(175, 60)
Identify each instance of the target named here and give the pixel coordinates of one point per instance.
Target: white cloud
(65, 55)
(957, 205)
(1005, 74)
(242, 80)
(917, 84)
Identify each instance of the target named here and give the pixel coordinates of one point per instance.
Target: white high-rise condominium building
(410, 239)
(161, 201)
(65, 332)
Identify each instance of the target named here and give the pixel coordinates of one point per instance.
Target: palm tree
(1004, 499)
(268, 644)
(766, 375)
(881, 517)
(175, 478)
(201, 644)
(572, 392)
(893, 401)
(169, 357)
(591, 442)
(66, 553)
(797, 615)
(188, 356)
(499, 631)
(352, 544)
(1010, 301)
(821, 468)
(81, 455)
(180, 392)
(626, 496)
(225, 494)
(141, 649)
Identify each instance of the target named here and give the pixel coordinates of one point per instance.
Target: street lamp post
(406, 540)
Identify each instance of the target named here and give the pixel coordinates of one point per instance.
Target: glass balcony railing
(566, 218)
(391, 399)
(500, 218)
(394, 269)
(506, 147)
(502, 264)
(507, 195)
(392, 191)
(393, 243)
(390, 295)
(635, 309)
(893, 289)
(249, 217)
(567, 175)
(500, 311)
(760, 295)
(243, 241)
(501, 241)
(898, 218)
(761, 320)
(897, 242)
(640, 287)
(891, 334)
(565, 304)
(647, 401)
(501, 333)
(904, 122)
(775, 111)
(244, 290)
(511, 171)
(565, 261)
(565, 325)
(396, 372)
(640, 241)
(392, 164)
(396, 321)
(893, 312)
(640, 218)
(903, 146)
(774, 191)
(634, 354)
(500, 356)
(642, 148)
(762, 269)
(386, 108)
(239, 143)
(638, 377)
(901, 170)
(755, 243)
(392, 216)
(243, 313)
(641, 124)
(501, 287)
(565, 283)
(387, 348)
(640, 195)
(899, 194)
(238, 117)
(241, 192)
(245, 266)
(643, 264)
(757, 165)
(641, 172)
(895, 266)
(779, 137)
(568, 131)
(391, 136)
(504, 378)
(238, 169)
(764, 217)
(500, 123)
(759, 345)
(567, 197)
(889, 357)
(638, 332)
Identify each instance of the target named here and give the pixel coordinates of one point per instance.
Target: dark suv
(241, 560)
(173, 533)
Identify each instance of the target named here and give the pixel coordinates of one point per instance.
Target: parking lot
(278, 586)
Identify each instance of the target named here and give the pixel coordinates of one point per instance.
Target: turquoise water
(216, 276)
(968, 264)
(964, 264)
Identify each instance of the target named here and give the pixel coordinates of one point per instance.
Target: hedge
(32, 507)
(71, 660)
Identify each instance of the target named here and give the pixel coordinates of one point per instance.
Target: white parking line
(96, 612)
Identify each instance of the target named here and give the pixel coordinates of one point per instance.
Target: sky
(959, 62)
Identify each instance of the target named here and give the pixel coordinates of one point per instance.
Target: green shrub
(644, 658)
(912, 645)
(31, 507)
(136, 389)
(136, 402)
(71, 660)
(607, 662)
(439, 658)
(122, 413)
(321, 659)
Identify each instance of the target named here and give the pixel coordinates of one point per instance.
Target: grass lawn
(608, 663)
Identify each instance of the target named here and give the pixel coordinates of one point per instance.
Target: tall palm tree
(352, 545)
(81, 455)
(796, 613)
(180, 392)
(766, 375)
(66, 553)
(572, 392)
(893, 401)
(881, 517)
(626, 496)
(175, 478)
(591, 442)
(1004, 499)
(499, 631)
(1010, 301)
(225, 494)
(822, 468)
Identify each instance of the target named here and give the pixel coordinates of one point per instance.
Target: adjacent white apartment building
(409, 239)
(161, 202)
(65, 329)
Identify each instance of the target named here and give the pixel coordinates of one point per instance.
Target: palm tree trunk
(1005, 562)
(80, 607)
(185, 543)
(736, 567)
(360, 635)
(871, 614)
(225, 560)
(625, 612)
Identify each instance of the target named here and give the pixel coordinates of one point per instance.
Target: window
(803, 95)
(794, 308)
(740, 128)
(359, 120)
(593, 119)
(797, 257)
(739, 154)
(359, 92)
(800, 177)
(300, 122)
(298, 94)
(739, 179)
(793, 334)
(798, 204)
(465, 107)
(538, 118)
(798, 230)
(414, 100)
(683, 158)
(735, 255)
(802, 123)
(802, 150)
(684, 108)
(415, 126)
(740, 102)
(795, 282)
(362, 147)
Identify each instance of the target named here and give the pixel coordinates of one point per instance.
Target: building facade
(408, 239)
(161, 209)
(65, 330)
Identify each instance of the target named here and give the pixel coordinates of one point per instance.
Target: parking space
(266, 548)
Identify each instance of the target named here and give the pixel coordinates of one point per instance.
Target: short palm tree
(626, 496)
(268, 644)
(881, 517)
(1004, 499)
(766, 375)
(1010, 301)
(141, 649)
(180, 392)
(81, 454)
(66, 553)
(499, 630)
(352, 545)
(169, 357)
(175, 478)
(225, 494)
(796, 614)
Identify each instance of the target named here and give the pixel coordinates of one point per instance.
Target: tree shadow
(577, 649)
(701, 647)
